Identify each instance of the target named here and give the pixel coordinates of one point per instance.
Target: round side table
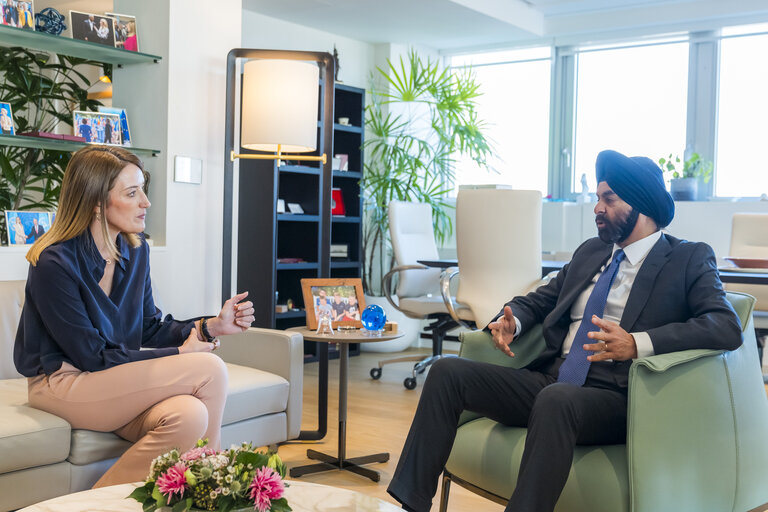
(328, 462)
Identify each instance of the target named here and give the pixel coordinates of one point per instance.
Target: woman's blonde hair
(90, 175)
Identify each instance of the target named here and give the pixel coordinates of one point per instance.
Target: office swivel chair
(418, 288)
(749, 239)
(498, 241)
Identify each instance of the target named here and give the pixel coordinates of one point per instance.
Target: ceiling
(452, 25)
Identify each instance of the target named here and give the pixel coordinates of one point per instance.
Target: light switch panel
(188, 170)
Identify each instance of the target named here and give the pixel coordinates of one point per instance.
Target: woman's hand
(234, 317)
(193, 344)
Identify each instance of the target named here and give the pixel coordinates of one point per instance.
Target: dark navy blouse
(68, 317)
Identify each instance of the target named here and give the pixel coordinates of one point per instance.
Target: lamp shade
(279, 105)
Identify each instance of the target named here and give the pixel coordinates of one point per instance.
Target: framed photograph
(6, 118)
(343, 298)
(25, 227)
(125, 133)
(94, 28)
(97, 127)
(126, 37)
(295, 208)
(17, 13)
(340, 162)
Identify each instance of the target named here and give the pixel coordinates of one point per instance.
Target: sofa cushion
(252, 393)
(30, 437)
(89, 446)
(13, 391)
(11, 302)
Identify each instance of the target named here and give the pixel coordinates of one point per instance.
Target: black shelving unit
(266, 238)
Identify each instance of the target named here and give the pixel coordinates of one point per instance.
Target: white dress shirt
(618, 295)
(635, 253)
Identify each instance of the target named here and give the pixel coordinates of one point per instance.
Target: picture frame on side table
(126, 33)
(25, 227)
(7, 127)
(342, 297)
(97, 127)
(94, 28)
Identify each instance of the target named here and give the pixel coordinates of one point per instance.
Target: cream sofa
(41, 456)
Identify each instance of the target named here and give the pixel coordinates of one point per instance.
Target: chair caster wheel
(375, 373)
(409, 383)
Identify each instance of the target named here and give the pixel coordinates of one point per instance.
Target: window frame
(701, 106)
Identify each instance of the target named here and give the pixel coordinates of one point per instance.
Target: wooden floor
(378, 417)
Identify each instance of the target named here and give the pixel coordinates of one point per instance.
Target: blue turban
(639, 182)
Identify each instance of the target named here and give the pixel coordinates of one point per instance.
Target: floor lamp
(278, 114)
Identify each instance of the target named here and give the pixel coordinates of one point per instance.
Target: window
(632, 100)
(742, 130)
(515, 106)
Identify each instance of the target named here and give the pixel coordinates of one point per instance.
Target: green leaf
(182, 505)
(140, 494)
(280, 505)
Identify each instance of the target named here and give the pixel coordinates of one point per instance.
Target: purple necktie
(576, 366)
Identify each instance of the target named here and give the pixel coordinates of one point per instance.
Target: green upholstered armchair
(697, 435)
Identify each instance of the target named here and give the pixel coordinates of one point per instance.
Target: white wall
(187, 274)
(356, 58)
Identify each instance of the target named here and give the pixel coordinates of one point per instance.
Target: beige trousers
(158, 404)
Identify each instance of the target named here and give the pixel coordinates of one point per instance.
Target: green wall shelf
(12, 36)
(59, 144)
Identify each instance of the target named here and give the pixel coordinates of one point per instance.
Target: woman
(131, 41)
(89, 309)
(20, 237)
(103, 31)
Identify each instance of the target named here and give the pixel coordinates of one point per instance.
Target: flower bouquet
(204, 479)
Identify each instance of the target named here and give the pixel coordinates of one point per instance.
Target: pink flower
(265, 487)
(173, 480)
(196, 453)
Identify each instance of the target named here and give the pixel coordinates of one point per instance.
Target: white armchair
(418, 289)
(749, 239)
(498, 242)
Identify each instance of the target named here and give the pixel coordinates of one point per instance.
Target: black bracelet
(204, 329)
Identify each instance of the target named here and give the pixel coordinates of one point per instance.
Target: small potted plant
(684, 183)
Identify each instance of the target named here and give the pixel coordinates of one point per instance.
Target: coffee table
(340, 461)
(301, 496)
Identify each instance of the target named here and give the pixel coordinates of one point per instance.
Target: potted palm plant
(684, 182)
(420, 119)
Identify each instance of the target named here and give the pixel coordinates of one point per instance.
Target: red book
(45, 135)
(337, 202)
(75, 138)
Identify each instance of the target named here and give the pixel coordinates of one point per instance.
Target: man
(36, 232)
(89, 30)
(339, 308)
(639, 292)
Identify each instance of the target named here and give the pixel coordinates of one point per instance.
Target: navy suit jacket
(677, 298)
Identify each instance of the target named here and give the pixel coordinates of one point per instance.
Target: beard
(617, 231)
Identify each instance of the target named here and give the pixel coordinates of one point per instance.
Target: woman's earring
(98, 216)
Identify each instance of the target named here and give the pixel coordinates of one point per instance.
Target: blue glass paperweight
(373, 320)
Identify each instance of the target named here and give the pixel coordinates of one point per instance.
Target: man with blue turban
(631, 292)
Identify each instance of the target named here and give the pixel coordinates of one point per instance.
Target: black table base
(341, 462)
